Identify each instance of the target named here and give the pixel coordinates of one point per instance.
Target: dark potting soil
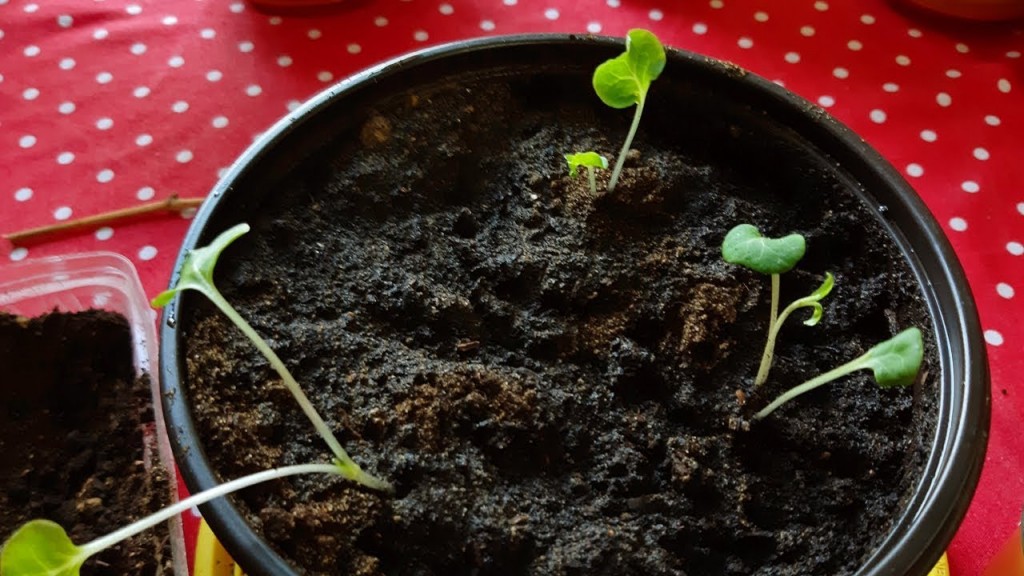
(556, 381)
(74, 415)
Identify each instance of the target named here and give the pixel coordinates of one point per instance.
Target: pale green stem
(348, 467)
(593, 180)
(625, 147)
(773, 330)
(851, 366)
(103, 542)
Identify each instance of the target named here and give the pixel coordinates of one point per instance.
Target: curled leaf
(744, 245)
(624, 80)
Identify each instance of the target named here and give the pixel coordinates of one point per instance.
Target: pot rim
(952, 470)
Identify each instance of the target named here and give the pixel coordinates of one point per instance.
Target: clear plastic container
(106, 281)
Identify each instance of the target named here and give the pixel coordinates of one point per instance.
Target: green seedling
(197, 274)
(894, 362)
(745, 246)
(43, 548)
(624, 80)
(590, 160)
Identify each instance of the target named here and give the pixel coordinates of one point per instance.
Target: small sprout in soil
(197, 274)
(623, 81)
(894, 362)
(590, 160)
(43, 548)
(745, 246)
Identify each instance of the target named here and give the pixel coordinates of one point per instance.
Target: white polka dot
(313, 33)
(104, 123)
(65, 21)
(958, 224)
(420, 35)
(821, 6)
(237, 7)
(867, 19)
(970, 186)
(993, 337)
(981, 153)
(854, 45)
(551, 14)
(903, 60)
(509, 2)
(221, 172)
(915, 170)
(761, 16)
(962, 48)
(953, 73)
(208, 33)
(23, 194)
(792, 57)
(840, 72)
(184, 156)
(1003, 85)
(1005, 290)
(610, 3)
(891, 87)
(1015, 248)
(179, 107)
(656, 15)
(929, 135)
(594, 27)
(380, 21)
(133, 9)
(105, 175)
(745, 43)
(446, 9)
(877, 116)
(65, 158)
(138, 49)
(284, 61)
(100, 34)
(993, 120)
(253, 90)
(145, 193)
(170, 20)
(1020, 208)
(488, 25)
(1013, 54)
(914, 33)
(779, 82)
(176, 62)
(32, 51)
(105, 233)
(700, 28)
(62, 213)
(826, 101)
(219, 122)
(245, 46)
(31, 8)
(27, 141)
(943, 99)
(807, 31)
(19, 254)
(717, 4)
(141, 92)
(354, 48)
(66, 63)
(147, 253)
(275, 20)
(143, 140)
(292, 105)
(104, 77)
(215, 75)
(30, 93)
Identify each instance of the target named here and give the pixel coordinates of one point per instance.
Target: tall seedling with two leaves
(624, 80)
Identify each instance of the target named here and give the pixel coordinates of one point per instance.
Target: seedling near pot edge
(894, 362)
(745, 246)
(623, 81)
(590, 160)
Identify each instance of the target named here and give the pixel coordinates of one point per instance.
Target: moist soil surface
(558, 382)
(72, 437)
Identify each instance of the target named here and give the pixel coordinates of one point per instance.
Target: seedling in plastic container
(894, 362)
(745, 246)
(624, 80)
(591, 161)
(43, 548)
(197, 274)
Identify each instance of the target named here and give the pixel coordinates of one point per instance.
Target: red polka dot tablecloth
(111, 103)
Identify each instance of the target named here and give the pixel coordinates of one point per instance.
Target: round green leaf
(745, 246)
(585, 159)
(896, 361)
(623, 81)
(41, 548)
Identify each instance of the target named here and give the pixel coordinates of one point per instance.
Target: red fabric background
(106, 103)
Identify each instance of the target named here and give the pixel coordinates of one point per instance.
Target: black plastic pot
(936, 508)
